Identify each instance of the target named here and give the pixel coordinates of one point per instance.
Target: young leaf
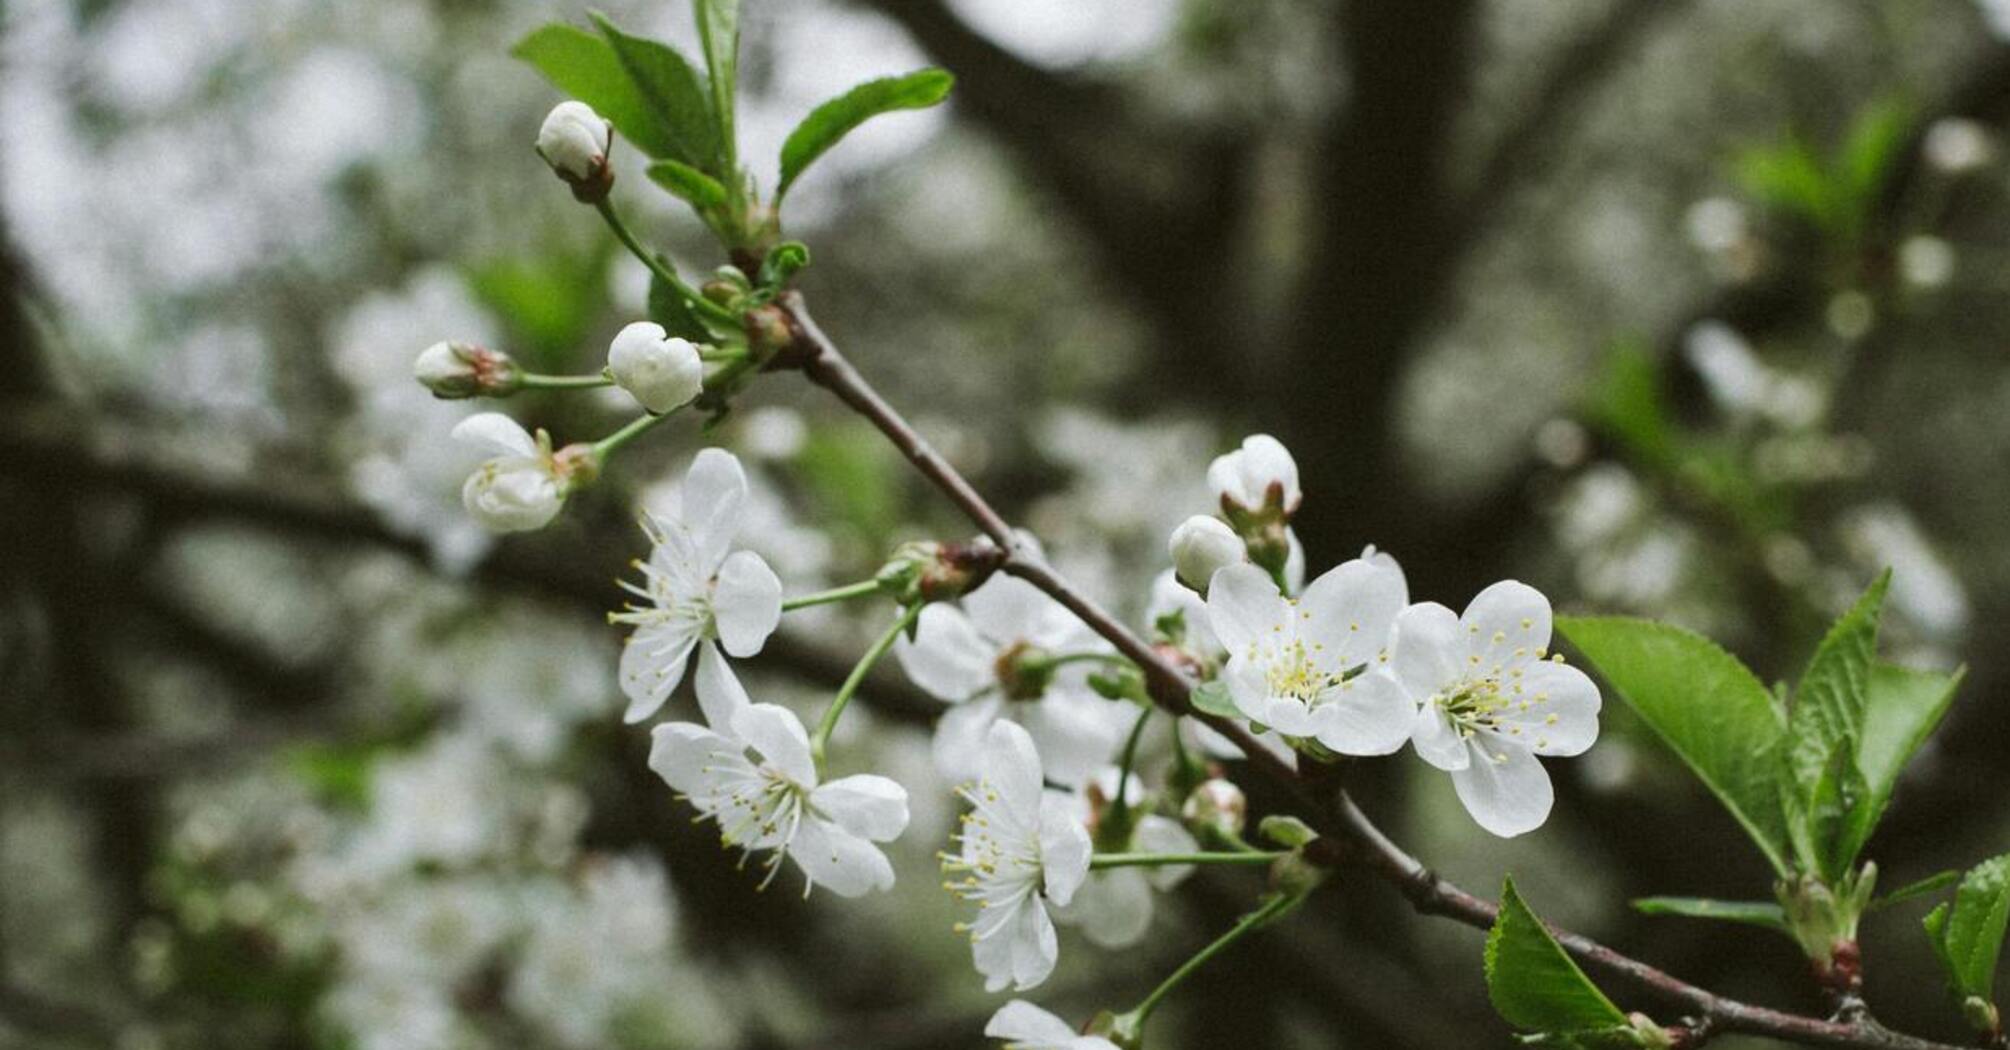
(673, 92)
(1829, 789)
(1901, 709)
(1212, 698)
(1707, 707)
(1927, 885)
(669, 309)
(719, 35)
(1767, 914)
(1533, 984)
(835, 119)
(1968, 935)
(702, 191)
(584, 66)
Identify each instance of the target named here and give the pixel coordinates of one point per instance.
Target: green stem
(1120, 807)
(534, 381)
(820, 740)
(1077, 658)
(1277, 905)
(1160, 860)
(861, 589)
(612, 443)
(659, 268)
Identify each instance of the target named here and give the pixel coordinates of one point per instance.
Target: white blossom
(1956, 145)
(776, 801)
(1024, 1026)
(1489, 701)
(523, 487)
(1254, 475)
(1021, 848)
(699, 592)
(662, 373)
(1113, 907)
(574, 141)
(1294, 663)
(1201, 545)
(985, 657)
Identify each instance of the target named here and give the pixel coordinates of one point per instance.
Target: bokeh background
(1687, 308)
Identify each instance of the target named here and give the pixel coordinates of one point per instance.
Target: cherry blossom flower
(660, 372)
(1295, 665)
(525, 485)
(1260, 474)
(1021, 849)
(775, 802)
(1488, 702)
(991, 659)
(1024, 1026)
(699, 592)
(1113, 907)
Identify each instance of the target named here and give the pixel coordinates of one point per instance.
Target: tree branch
(1355, 837)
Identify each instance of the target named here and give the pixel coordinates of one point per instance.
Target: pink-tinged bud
(460, 370)
(575, 141)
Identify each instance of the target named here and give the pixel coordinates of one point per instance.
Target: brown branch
(1357, 838)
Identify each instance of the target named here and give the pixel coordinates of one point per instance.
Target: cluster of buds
(929, 571)
(460, 370)
(1257, 486)
(575, 141)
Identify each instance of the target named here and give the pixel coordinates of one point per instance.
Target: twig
(1336, 815)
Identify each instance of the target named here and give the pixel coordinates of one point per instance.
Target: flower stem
(1275, 906)
(1160, 860)
(821, 738)
(659, 268)
(1086, 657)
(861, 589)
(534, 381)
(612, 443)
(1120, 807)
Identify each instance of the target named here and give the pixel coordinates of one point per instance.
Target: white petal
(714, 492)
(1243, 606)
(1294, 563)
(1158, 834)
(1113, 908)
(1437, 741)
(496, 433)
(1507, 625)
(867, 805)
(1011, 765)
(835, 858)
(1368, 715)
(1021, 1022)
(1346, 613)
(720, 695)
(652, 663)
(778, 735)
(1020, 949)
(962, 735)
(1248, 686)
(1561, 712)
(1007, 609)
(747, 604)
(693, 759)
(1505, 788)
(1291, 717)
(1075, 733)
(948, 658)
(1428, 653)
(1064, 848)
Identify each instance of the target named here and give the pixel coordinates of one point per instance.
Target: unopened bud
(661, 372)
(575, 140)
(769, 331)
(1200, 546)
(1295, 875)
(1651, 1036)
(1256, 482)
(928, 571)
(1289, 832)
(1216, 805)
(1981, 1015)
(459, 370)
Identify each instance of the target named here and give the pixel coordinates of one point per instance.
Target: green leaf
(835, 119)
(1829, 789)
(1927, 885)
(719, 35)
(1708, 708)
(782, 262)
(584, 66)
(1875, 139)
(670, 310)
(1768, 914)
(700, 190)
(1968, 935)
(672, 91)
(1533, 984)
(1791, 178)
(1212, 698)
(1901, 709)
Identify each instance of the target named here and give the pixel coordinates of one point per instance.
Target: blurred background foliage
(1687, 308)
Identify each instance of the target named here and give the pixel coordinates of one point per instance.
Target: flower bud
(457, 370)
(525, 486)
(1202, 545)
(661, 372)
(1216, 805)
(927, 571)
(574, 140)
(1257, 482)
